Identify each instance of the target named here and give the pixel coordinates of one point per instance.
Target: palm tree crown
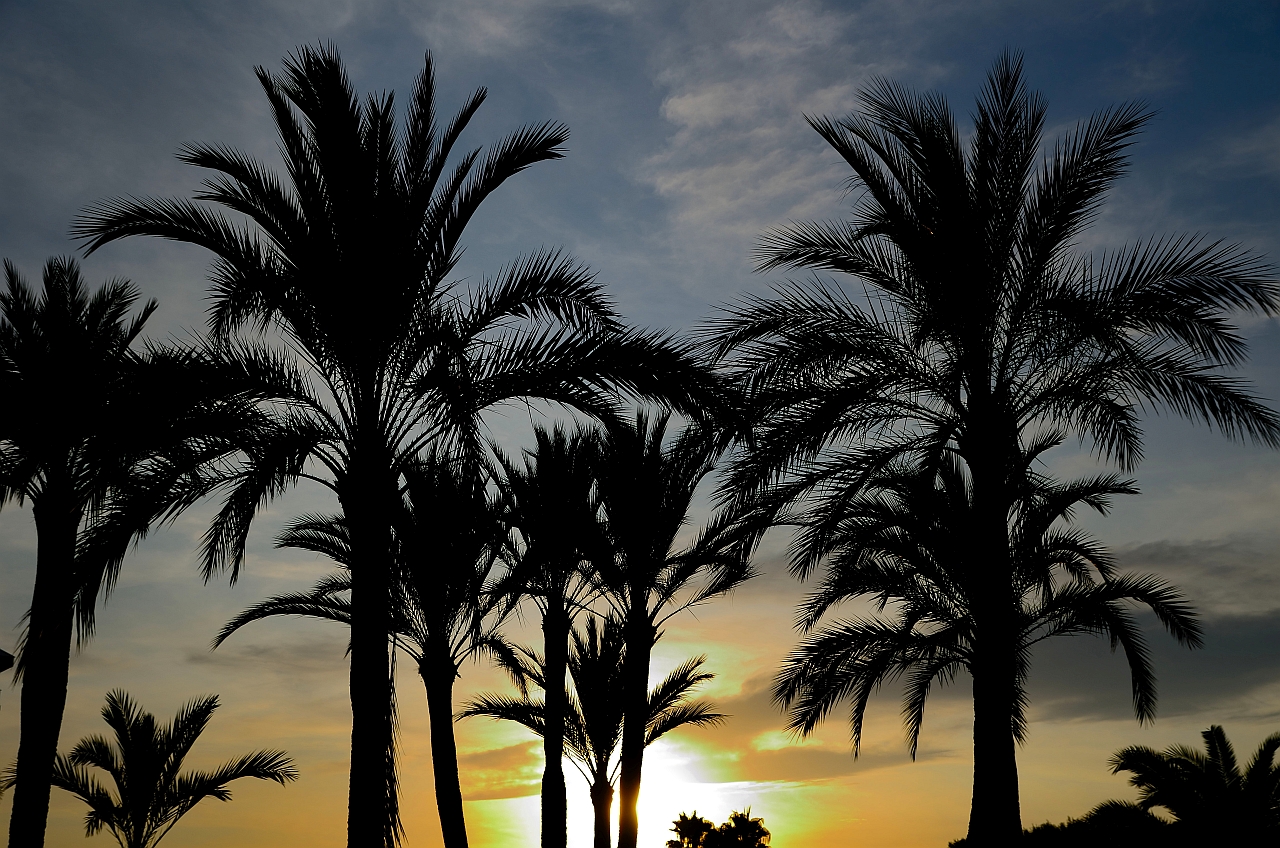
(145, 767)
(900, 546)
(1208, 793)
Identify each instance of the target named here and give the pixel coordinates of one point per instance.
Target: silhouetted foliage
(551, 503)
(144, 762)
(1112, 824)
(345, 262)
(1211, 798)
(450, 537)
(983, 330)
(647, 489)
(105, 441)
(740, 831)
(900, 543)
(594, 709)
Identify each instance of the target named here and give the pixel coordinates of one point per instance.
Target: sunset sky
(688, 141)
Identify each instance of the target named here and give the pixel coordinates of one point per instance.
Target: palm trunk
(46, 660)
(639, 643)
(438, 679)
(995, 817)
(602, 806)
(372, 815)
(555, 634)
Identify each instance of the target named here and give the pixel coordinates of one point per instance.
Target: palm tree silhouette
(690, 830)
(982, 327)
(345, 263)
(594, 710)
(1211, 798)
(450, 537)
(901, 542)
(552, 505)
(647, 489)
(740, 831)
(104, 441)
(145, 766)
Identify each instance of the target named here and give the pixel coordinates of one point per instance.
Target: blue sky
(688, 141)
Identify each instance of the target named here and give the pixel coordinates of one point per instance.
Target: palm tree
(104, 441)
(345, 264)
(552, 505)
(647, 490)
(901, 543)
(594, 710)
(145, 764)
(450, 537)
(690, 830)
(1211, 798)
(740, 831)
(982, 327)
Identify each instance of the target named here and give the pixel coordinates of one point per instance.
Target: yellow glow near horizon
(671, 786)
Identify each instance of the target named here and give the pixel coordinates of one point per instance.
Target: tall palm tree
(647, 489)
(450, 537)
(1211, 798)
(901, 543)
(345, 263)
(553, 508)
(104, 440)
(594, 710)
(145, 765)
(978, 326)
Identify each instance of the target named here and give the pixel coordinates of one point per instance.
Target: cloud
(1080, 679)
(1255, 151)
(324, 655)
(1234, 576)
(496, 27)
(514, 771)
(753, 744)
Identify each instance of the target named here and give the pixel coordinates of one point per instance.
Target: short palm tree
(594, 709)
(901, 544)
(690, 830)
(104, 439)
(145, 766)
(345, 263)
(450, 538)
(740, 831)
(650, 575)
(977, 326)
(552, 507)
(1213, 800)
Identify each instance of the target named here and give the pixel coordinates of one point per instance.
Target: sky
(688, 141)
